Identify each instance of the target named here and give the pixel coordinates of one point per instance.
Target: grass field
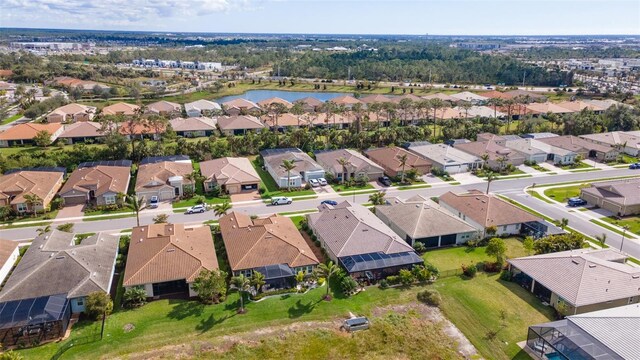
(10, 119)
(454, 257)
(44, 217)
(537, 195)
(340, 187)
(191, 202)
(561, 194)
(633, 222)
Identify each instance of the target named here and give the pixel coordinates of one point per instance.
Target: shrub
(68, 227)
(492, 267)
(274, 292)
(124, 244)
(505, 275)
(134, 297)
(56, 204)
(419, 247)
(262, 190)
(393, 280)
(430, 297)
(383, 284)
(199, 199)
(98, 303)
(406, 277)
(469, 270)
(348, 285)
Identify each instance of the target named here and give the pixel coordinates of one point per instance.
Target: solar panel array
(378, 260)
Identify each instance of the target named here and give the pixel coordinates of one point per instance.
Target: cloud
(118, 12)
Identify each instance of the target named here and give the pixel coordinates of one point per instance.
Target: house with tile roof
(194, 126)
(604, 334)
(142, 129)
(120, 108)
(54, 265)
(165, 177)
(419, 219)
(202, 107)
(346, 100)
(310, 104)
(24, 134)
(441, 96)
(536, 151)
(389, 159)
(445, 157)
(578, 105)
(165, 259)
(484, 210)
(375, 98)
(305, 167)
(621, 197)
(9, 253)
(82, 132)
(240, 106)
(17, 185)
(547, 107)
(360, 242)
(239, 124)
(286, 120)
(627, 142)
(232, 174)
(264, 104)
(272, 246)
(582, 280)
(583, 147)
(97, 184)
(358, 164)
(71, 113)
(165, 108)
(470, 97)
(495, 147)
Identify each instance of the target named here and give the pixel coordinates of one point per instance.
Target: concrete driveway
(71, 211)
(245, 196)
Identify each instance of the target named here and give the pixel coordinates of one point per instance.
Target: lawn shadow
(233, 305)
(529, 298)
(184, 309)
(300, 309)
(208, 323)
(470, 249)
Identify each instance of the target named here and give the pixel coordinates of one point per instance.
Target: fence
(450, 273)
(79, 341)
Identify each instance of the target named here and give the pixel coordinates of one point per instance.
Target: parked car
(314, 182)
(634, 166)
(355, 324)
(197, 209)
(576, 201)
(329, 202)
(281, 200)
(384, 180)
(322, 181)
(153, 203)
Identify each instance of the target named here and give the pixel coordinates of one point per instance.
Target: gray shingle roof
(55, 265)
(584, 276)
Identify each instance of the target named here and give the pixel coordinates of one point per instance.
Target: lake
(291, 96)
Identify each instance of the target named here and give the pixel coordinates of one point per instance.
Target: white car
(154, 202)
(322, 181)
(314, 183)
(196, 209)
(281, 200)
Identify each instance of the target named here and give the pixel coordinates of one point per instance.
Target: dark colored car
(384, 180)
(634, 166)
(329, 202)
(576, 201)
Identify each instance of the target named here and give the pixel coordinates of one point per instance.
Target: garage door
(75, 200)
(166, 195)
(454, 169)
(448, 240)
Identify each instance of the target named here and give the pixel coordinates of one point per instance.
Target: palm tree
(403, 162)
(465, 105)
(435, 105)
(327, 271)
(241, 283)
(485, 159)
(602, 239)
(344, 163)
(564, 222)
(288, 165)
(43, 230)
(222, 209)
(257, 280)
(490, 177)
(624, 234)
(137, 205)
(32, 200)
(377, 198)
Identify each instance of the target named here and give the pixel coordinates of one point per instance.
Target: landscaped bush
(134, 297)
(492, 267)
(419, 247)
(505, 275)
(406, 277)
(430, 297)
(124, 244)
(348, 285)
(469, 270)
(383, 284)
(274, 292)
(393, 280)
(199, 199)
(56, 203)
(99, 208)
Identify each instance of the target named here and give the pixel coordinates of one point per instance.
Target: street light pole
(624, 233)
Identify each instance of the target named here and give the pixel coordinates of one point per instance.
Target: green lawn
(539, 168)
(453, 258)
(416, 186)
(10, 119)
(576, 165)
(585, 170)
(48, 216)
(537, 195)
(341, 187)
(561, 194)
(271, 186)
(123, 210)
(191, 202)
(633, 222)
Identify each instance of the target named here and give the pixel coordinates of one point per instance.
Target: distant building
(621, 197)
(305, 167)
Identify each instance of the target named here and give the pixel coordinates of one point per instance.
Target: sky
(452, 17)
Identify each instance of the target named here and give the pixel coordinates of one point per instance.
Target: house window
(80, 302)
(504, 228)
(22, 207)
(631, 300)
(292, 182)
(110, 199)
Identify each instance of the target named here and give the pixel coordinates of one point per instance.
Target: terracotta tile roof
(7, 247)
(240, 104)
(576, 144)
(261, 242)
(286, 119)
(303, 162)
(229, 170)
(239, 122)
(44, 184)
(388, 158)
(120, 108)
(375, 98)
(414, 98)
(193, 124)
(156, 175)
(357, 161)
(524, 93)
(53, 264)
(82, 129)
(28, 131)
(578, 106)
(310, 101)
(585, 276)
(345, 100)
(491, 148)
(74, 108)
(274, 100)
(441, 96)
(163, 106)
(101, 179)
(140, 128)
(493, 94)
(167, 252)
(486, 210)
(548, 107)
(349, 229)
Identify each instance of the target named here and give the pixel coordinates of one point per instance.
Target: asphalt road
(513, 189)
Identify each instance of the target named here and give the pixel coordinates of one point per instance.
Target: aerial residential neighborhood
(266, 191)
